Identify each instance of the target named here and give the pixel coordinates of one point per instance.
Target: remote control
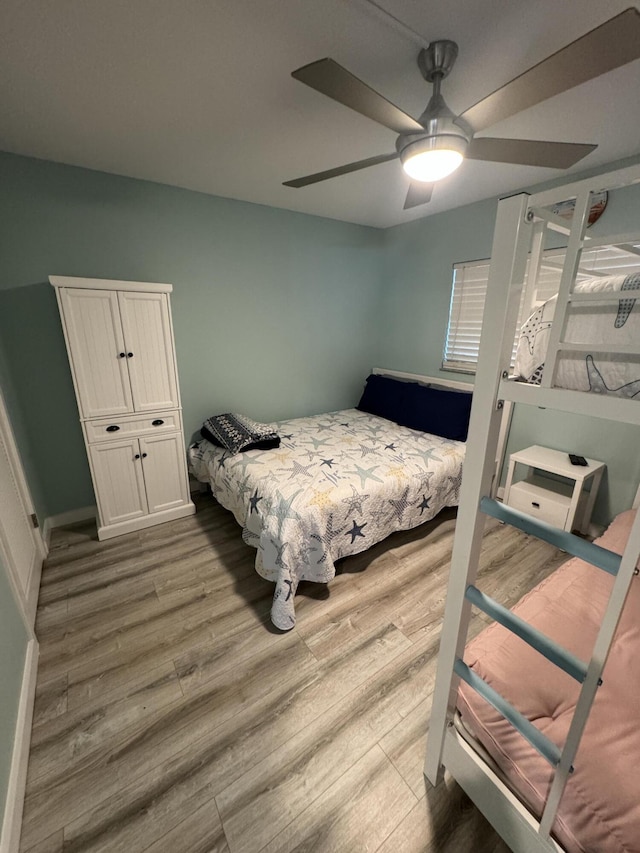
(577, 460)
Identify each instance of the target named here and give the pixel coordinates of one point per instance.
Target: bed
(612, 323)
(338, 483)
(584, 795)
(600, 809)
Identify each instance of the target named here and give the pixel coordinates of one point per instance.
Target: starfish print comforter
(338, 483)
(610, 323)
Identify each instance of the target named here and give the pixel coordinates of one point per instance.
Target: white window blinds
(470, 289)
(465, 315)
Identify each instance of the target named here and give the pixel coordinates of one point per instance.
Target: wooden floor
(171, 716)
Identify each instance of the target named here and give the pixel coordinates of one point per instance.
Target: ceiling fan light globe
(432, 166)
(433, 158)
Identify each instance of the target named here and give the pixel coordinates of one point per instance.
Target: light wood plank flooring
(171, 716)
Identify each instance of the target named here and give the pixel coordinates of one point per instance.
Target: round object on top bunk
(564, 209)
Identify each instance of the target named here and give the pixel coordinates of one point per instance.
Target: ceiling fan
(434, 145)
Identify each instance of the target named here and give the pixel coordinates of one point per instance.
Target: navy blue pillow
(437, 410)
(385, 397)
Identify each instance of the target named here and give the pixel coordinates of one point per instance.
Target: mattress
(594, 323)
(600, 809)
(338, 483)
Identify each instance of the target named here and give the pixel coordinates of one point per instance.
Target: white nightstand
(560, 504)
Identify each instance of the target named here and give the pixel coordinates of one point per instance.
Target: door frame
(28, 602)
(11, 819)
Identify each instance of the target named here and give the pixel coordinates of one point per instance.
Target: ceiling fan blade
(528, 152)
(608, 46)
(331, 79)
(340, 170)
(419, 193)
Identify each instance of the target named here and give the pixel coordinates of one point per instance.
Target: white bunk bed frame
(520, 228)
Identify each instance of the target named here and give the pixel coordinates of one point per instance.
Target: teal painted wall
(419, 257)
(418, 266)
(13, 647)
(275, 313)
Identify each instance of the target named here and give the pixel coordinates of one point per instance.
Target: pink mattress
(600, 809)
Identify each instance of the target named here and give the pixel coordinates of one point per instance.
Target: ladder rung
(608, 296)
(581, 270)
(619, 349)
(600, 557)
(617, 240)
(538, 741)
(608, 406)
(559, 656)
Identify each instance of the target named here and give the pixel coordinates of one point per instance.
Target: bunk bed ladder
(514, 233)
(512, 236)
(565, 291)
(623, 568)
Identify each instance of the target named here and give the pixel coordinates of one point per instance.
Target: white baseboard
(73, 516)
(12, 822)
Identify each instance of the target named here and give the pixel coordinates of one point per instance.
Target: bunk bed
(601, 800)
(510, 733)
(615, 323)
(343, 481)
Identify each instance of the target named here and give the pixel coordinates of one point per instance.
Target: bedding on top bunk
(339, 483)
(600, 809)
(612, 323)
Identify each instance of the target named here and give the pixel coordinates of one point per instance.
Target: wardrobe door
(165, 474)
(147, 332)
(96, 351)
(118, 480)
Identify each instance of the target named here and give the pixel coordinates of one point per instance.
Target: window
(468, 293)
(469, 290)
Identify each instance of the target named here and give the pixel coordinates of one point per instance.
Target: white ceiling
(198, 93)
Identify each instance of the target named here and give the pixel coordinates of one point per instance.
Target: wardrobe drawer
(542, 503)
(113, 428)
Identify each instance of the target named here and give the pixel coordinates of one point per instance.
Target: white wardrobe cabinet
(119, 339)
(165, 471)
(138, 476)
(118, 481)
(121, 349)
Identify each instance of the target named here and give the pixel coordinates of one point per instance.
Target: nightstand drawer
(542, 503)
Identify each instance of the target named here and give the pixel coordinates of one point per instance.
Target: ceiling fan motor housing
(437, 59)
(442, 128)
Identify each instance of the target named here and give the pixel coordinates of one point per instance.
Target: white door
(21, 542)
(97, 351)
(165, 475)
(118, 480)
(147, 332)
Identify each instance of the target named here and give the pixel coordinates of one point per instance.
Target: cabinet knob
(129, 355)
(122, 354)
(137, 456)
(144, 455)
(157, 422)
(113, 428)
